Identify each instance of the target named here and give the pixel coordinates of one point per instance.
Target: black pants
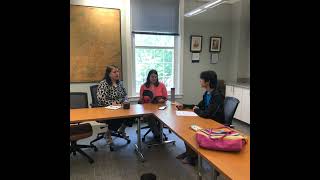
(115, 124)
(191, 153)
(154, 124)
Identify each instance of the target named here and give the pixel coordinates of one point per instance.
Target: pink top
(156, 91)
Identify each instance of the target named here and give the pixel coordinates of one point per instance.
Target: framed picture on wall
(215, 44)
(195, 43)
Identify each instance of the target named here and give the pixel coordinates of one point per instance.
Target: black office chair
(94, 104)
(80, 131)
(221, 87)
(230, 107)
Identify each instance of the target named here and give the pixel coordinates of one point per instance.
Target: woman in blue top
(211, 106)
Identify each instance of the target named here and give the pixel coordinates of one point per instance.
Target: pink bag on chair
(222, 139)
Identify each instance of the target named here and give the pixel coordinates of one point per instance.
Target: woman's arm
(141, 95)
(164, 92)
(214, 107)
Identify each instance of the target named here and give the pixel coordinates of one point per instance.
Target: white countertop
(239, 84)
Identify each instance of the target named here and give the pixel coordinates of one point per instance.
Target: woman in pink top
(153, 91)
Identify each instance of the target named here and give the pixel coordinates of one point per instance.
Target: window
(154, 52)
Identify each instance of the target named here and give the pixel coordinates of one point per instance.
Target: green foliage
(154, 57)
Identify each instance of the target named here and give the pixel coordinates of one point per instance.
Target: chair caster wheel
(91, 161)
(111, 149)
(95, 149)
(143, 139)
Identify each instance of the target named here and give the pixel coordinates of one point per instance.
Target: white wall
(216, 22)
(240, 66)
(224, 20)
(126, 42)
(125, 37)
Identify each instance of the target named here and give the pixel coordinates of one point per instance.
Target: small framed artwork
(195, 43)
(215, 44)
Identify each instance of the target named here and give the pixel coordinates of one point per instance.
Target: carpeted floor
(123, 163)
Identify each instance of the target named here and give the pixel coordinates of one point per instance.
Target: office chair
(149, 93)
(230, 107)
(80, 131)
(101, 135)
(221, 87)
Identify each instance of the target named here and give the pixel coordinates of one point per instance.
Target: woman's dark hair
(211, 77)
(152, 71)
(108, 71)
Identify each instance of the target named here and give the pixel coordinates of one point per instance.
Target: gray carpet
(123, 163)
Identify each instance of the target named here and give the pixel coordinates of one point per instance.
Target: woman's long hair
(107, 74)
(152, 71)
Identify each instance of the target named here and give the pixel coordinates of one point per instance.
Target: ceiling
(211, 13)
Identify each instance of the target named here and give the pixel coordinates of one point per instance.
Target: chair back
(78, 100)
(221, 87)
(230, 107)
(94, 99)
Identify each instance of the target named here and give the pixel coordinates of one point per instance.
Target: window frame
(175, 65)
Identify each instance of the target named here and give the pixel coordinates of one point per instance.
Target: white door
(237, 93)
(246, 105)
(229, 91)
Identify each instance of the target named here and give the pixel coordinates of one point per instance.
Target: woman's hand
(179, 106)
(140, 101)
(114, 103)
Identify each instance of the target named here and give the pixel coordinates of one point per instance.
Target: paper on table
(185, 113)
(113, 107)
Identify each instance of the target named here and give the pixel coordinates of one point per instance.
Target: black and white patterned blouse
(106, 94)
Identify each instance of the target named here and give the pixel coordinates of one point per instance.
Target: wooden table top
(234, 165)
(101, 113)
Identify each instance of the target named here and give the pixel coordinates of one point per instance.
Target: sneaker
(121, 130)
(108, 137)
(182, 156)
(189, 160)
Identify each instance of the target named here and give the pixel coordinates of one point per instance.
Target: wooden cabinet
(243, 95)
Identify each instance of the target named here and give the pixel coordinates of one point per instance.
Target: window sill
(136, 98)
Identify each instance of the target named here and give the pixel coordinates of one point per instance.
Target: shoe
(182, 156)
(108, 137)
(189, 160)
(157, 138)
(123, 134)
(121, 130)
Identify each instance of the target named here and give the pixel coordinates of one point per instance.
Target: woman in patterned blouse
(111, 92)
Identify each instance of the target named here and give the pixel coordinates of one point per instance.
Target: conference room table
(233, 165)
